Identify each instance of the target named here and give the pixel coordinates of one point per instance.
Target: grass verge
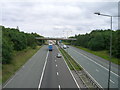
(103, 54)
(68, 57)
(19, 59)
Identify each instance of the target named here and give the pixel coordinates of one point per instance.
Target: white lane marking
(97, 70)
(59, 87)
(43, 72)
(57, 73)
(56, 65)
(69, 69)
(10, 80)
(96, 63)
(112, 81)
(88, 73)
(55, 60)
(16, 73)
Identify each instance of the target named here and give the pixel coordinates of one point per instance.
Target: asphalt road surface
(57, 74)
(96, 67)
(43, 70)
(29, 75)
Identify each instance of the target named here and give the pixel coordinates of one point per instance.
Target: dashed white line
(55, 60)
(89, 74)
(96, 63)
(57, 73)
(112, 81)
(97, 70)
(56, 65)
(69, 69)
(43, 71)
(59, 87)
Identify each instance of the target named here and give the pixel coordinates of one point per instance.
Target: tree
(116, 44)
(96, 42)
(14, 40)
(7, 50)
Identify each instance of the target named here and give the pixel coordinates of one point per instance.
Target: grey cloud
(55, 16)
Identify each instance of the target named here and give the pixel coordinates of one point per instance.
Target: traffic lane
(97, 59)
(56, 73)
(50, 79)
(28, 76)
(93, 70)
(114, 76)
(65, 78)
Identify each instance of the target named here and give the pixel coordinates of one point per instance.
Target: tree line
(98, 40)
(15, 40)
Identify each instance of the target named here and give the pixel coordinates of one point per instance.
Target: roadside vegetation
(69, 60)
(98, 43)
(104, 54)
(15, 40)
(17, 48)
(19, 59)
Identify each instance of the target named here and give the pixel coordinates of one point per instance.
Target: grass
(103, 54)
(68, 57)
(66, 43)
(19, 59)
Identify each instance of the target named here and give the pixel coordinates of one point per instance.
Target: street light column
(110, 55)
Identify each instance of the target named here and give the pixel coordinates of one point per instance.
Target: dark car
(67, 46)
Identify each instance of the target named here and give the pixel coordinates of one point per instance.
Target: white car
(59, 55)
(64, 46)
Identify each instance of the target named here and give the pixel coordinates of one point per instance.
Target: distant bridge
(39, 38)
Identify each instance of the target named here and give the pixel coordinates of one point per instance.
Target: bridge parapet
(56, 38)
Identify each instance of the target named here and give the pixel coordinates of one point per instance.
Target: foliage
(98, 40)
(14, 40)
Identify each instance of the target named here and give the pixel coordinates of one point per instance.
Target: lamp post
(98, 13)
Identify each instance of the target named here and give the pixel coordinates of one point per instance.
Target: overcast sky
(58, 18)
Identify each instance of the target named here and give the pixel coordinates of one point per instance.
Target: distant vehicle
(67, 46)
(59, 55)
(50, 47)
(60, 41)
(64, 46)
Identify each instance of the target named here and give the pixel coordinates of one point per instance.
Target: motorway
(96, 67)
(43, 70)
(57, 73)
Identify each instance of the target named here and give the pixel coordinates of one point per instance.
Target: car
(64, 46)
(67, 46)
(59, 55)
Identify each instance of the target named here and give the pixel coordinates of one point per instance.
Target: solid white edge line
(87, 72)
(69, 69)
(13, 76)
(9, 81)
(40, 82)
(96, 63)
